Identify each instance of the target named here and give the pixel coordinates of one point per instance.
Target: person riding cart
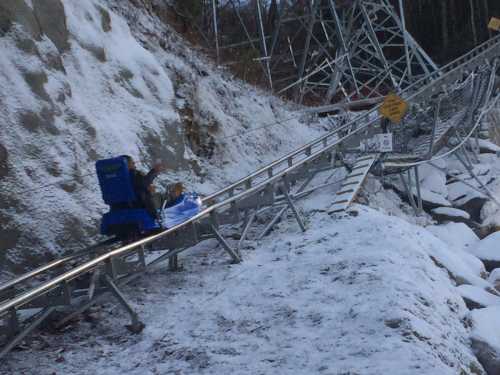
(135, 208)
(148, 198)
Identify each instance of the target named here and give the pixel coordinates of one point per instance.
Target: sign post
(378, 143)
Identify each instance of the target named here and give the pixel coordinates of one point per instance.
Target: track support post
(420, 205)
(292, 206)
(136, 325)
(26, 331)
(233, 253)
(246, 227)
(174, 264)
(409, 192)
(12, 324)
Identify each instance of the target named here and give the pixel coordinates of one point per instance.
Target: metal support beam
(25, 332)
(216, 30)
(376, 44)
(246, 227)
(136, 325)
(305, 53)
(434, 126)
(273, 222)
(409, 193)
(405, 38)
(232, 252)
(294, 210)
(94, 281)
(264, 44)
(419, 193)
(281, 212)
(173, 263)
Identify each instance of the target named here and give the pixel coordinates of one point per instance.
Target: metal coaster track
(269, 187)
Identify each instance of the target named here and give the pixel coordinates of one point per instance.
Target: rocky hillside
(84, 80)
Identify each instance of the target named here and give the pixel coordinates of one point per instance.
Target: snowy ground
(358, 295)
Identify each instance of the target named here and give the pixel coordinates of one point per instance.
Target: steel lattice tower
(321, 51)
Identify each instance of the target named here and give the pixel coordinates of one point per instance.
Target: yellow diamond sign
(393, 108)
(494, 24)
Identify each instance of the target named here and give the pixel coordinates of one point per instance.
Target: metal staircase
(352, 184)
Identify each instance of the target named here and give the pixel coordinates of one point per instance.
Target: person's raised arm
(153, 173)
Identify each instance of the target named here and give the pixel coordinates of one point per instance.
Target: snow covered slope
(360, 295)
(89, 79)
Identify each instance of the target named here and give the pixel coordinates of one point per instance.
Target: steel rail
(56, 262)
(30, 295)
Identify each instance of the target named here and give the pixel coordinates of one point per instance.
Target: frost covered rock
(434, 179)
(444, 214)
(455, 235)
(476, 297)
(467, 199)
(486, 146)
(486, 337)
(431, 199)
(490, 213)
(351, 296)
(494, 278)
(460, 238)
(488, 250)
(473, 204)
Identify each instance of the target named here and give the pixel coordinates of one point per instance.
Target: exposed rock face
(487, 356)
(59, 106)
(48, 11)
(89, 79)
(18, 12)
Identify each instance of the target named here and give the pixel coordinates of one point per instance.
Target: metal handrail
(30, 295)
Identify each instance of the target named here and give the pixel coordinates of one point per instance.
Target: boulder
(474, 206)
(488, 250)
(488, 356)
(456, 235)
(447, 214)
(486, 337)
(487, 147)
(476, 297)
(494, 278)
